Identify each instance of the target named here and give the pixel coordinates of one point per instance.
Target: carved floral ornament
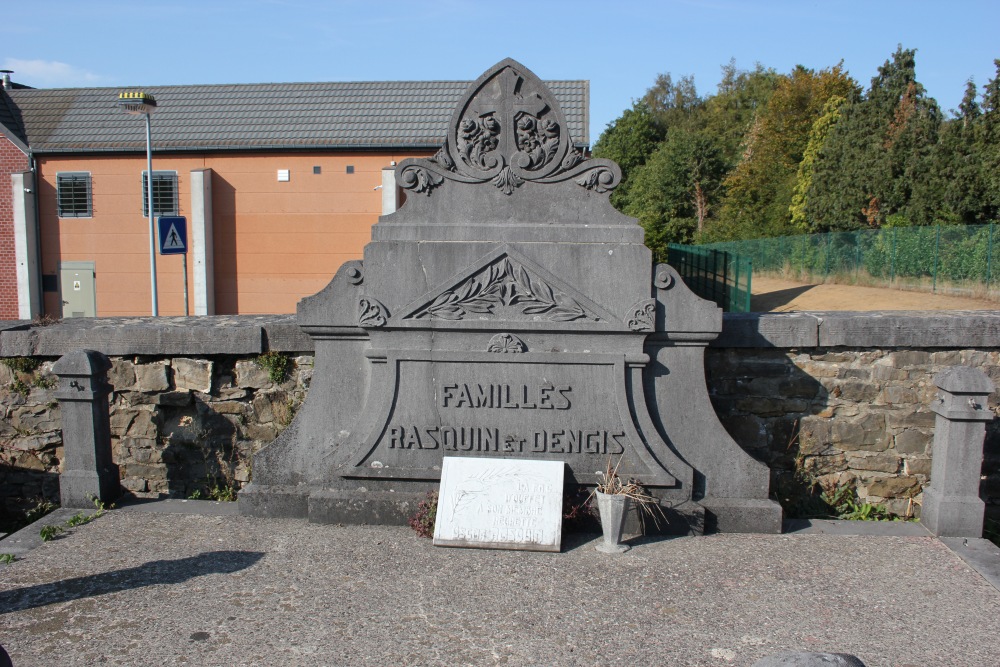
(506, 343)
(508, 129)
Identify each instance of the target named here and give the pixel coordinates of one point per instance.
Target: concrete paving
(162, 588)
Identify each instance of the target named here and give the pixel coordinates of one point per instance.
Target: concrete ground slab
(982, 555)
(28, 538)
(135, 588)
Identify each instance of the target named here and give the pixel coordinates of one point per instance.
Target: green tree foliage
(958, 179)
(672, 104)
(759, 189)
(729, 114)
(877, 160)
(673, 192)
(988, 145)
(803, 177)
(771, 154)
(629, 140)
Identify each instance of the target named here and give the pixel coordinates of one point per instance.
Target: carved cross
(506, 105)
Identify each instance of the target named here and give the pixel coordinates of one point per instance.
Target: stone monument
(507, 310)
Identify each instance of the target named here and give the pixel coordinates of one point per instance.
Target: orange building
(279, 183)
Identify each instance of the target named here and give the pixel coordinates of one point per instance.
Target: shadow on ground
(771, 301)
(148, 574)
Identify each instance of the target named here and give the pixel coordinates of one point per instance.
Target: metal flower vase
(613, 509)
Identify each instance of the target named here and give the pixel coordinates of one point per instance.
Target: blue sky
(619, 46)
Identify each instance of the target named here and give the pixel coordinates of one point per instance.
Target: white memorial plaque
(500, 504)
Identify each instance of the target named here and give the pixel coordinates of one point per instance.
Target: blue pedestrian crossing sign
(173, 235)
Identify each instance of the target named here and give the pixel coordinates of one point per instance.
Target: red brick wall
(12, 161)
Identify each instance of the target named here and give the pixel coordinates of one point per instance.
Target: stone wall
(832, 398)
(836, 416)
(180, 426)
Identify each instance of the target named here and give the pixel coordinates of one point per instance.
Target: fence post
(937, 250)
(989, 258)
(88, 471)
(746, 309)
(892, 262)
(857, 255)
(826, 267)
(952, 507)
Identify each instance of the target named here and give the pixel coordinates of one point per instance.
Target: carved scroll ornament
(642, 317)
(371, 313)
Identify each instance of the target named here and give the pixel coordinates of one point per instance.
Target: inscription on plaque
(500, 504)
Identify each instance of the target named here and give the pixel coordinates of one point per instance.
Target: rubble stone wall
(821, 398)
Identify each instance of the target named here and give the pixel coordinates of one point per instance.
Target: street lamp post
(138, 103)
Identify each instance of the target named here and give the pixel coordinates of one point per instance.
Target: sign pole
(184, 264)
(152, 227)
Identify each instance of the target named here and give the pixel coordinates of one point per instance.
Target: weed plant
(276, 365)
(423, 520)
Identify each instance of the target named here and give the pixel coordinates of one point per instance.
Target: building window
(164, 193)
(73, 194)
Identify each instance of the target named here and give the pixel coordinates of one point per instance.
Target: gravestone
(500, 504)
(507, 310)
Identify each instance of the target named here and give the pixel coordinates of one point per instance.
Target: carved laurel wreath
(504, 283)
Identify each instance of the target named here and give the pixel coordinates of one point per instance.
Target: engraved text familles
(461, 397)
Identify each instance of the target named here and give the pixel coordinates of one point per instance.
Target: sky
(620, 46)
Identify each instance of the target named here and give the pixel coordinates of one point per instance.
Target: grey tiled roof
(10, 120)
(382, 114)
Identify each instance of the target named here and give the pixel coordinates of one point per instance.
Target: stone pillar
(88, 471)
(952, 507)
(390, 193)
(202, 244)
(29, 294)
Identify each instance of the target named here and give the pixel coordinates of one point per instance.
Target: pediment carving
(508, 129)
(506, 286)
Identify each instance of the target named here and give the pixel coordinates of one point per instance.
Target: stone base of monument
(741, 515)
(394, 508)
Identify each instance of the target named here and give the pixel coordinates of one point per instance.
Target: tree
(988, 144)
(958, 178)
(672, 195)
(629, 140)
(877, 159)
(759, 190)
(804, 173)
(729, 114)
(673, 104)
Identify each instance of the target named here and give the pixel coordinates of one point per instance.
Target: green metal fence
(930, 257)
(717, 275)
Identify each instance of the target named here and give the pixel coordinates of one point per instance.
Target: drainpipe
(32, 165)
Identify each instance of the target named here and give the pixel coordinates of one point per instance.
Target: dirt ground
(779, 295)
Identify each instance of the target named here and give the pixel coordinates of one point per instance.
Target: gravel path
(779, 295)
(143, 589)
